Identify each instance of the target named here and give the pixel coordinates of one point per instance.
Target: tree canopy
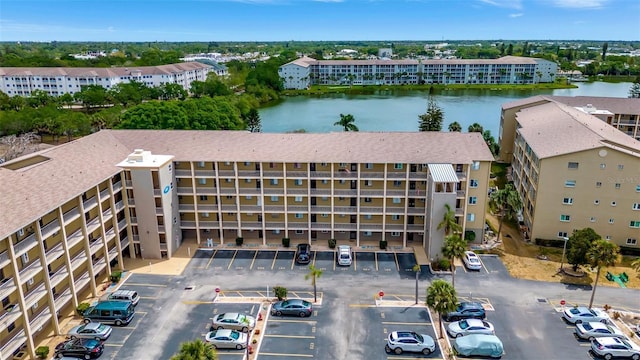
(347, 122)
(578, 246)
(433, 118)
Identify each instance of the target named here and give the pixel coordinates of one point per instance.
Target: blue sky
(331, 20)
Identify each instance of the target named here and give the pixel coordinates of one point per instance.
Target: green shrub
(383, 244)
(281, 292)
(332, 243)
(116, 276)
(82, 307)
(470, 235)
(445, 264)
(42, 352)
(239, 241)
(286, 242)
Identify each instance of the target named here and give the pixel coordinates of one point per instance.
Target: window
(613, 203)
(634, 224)
(21, 232)
(367, 200)
(603, 166)
(598, 184)
(617, 186)
(368, 233)
(631, 241)
(272, 165)
(297, 166)
(325, 215)
(276, 231)
(397, 200)
(636, 206)
(397, 183)
(298, 199)
(471, 217)
(596, 202)
(246, 163)
(567, 201)
(368, 216)
(368, 166)
(229, 197)
(323, 164)
(475, 165)
(298, 182)
(395, 217)
(202, 181)
(612, 220)
(206, 214)
(608, 237)
(343, 181)
(620, 167)
(274, 199)
(248, 181)
(397, 166)
(569, 183)
(395, 233)
(227, 180)
(325, 181)
(30, 282)
(562, 234)
(473, 183)
(565, 218)
(573, 165)
(299, 216)
(201, 164)
(368, 183)
(592, 219)
(299, 232)
(25, 258)
(637, 188)
(274, 181)
(324, 198)
(473, 200)
(248, 197)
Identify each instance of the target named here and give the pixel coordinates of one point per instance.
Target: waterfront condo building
(69, 214)
(305, 71)
(572, 170)
(22, 81)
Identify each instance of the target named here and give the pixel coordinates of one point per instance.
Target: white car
(580, 314)
(345, 256)
(227, 339)
(592, 330)
(409, 341)
(472, 261)
(610, 347)
(470, 326)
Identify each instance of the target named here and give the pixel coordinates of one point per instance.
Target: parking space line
(112, 344)
(406, 323)
(289, 355)
(273, 263)
(375, 257)
(355, 261)
(291, 321)
(395, 255)
(150, 285)
(211, 258)
(290, 336)
(232, 258)
(408, 358)
(293, 261)
(253, 261)
(149, 297)
(314, 258)
(484, 267)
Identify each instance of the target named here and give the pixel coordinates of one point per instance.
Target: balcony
(183, 173)
(227, 191)
(416, 210)
(95, 245)
(272, 174)
(99, 265)
(54, 252)
(229, 208)
(157, 192)
(297, 208)
(396, 175)
(248, 173)
(104, 194)
(251, 225)
(415, 227)
(113, 253)
(161, 229)
(62, 299)
(188, 224)
(207, 208)
(122, 224)
(344, 226)
(110, 234)
(297, 174)
(51, 228)
(320, 209)
(159, 211)
(124, 243)
(298, 225)
(117, 187)
(25, 245)
(41, 319)
(78, 260)
(4, 259)
(186, 207)
(30, 271)
(183, 190)
(134, 220)
(347, 209)
(251, 208)
(320, 226)
(462, 176)
(270, 225)
(209, 224)
(375, 227)
(58, 276)
(7, 287)
(119, 205)
(273, 191)
(205, 173)
(371, 192)
(418, 175)
(106, 215)
(345, 175)
(248, 191)
(93, 225)
(16, 341)
(371, 175)
(320, 192)
(35, 295)
(274, 208)
(226, 173)
(131, 202)
(82, 281)
(230, 224)
(90, 204)
(206, 190)
(320, 175)
(345, 192)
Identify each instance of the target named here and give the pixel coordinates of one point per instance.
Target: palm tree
(602, 253)
(454, 247)
(196, 350)
(455, 127)
(441, 297)
(448, 222)
(313, 274)
(635, 264)
(475, 127)
(507, 202)
(347, 122)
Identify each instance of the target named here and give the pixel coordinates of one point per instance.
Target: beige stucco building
(572, 170)
(69, 214)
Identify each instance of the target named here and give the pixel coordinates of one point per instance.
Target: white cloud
(510, 4)
(580, 4)
(517, 15)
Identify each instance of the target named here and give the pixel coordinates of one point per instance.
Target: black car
(466, 310)
(303, 255)
(81, 348)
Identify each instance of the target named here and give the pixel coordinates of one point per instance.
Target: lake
(399, 110)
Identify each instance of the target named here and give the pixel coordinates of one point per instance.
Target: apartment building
(22, 81)
(572, 171)
(70, 214)
(305, 71)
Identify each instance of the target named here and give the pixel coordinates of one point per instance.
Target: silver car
(610, 347)
(92, 330)
(580, 314)
(470, 326)
(234, 321)
(227, 339)
(592, 330)
(409, 341)
(345, 257)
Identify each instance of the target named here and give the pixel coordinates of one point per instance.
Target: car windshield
(306, 303)
(234, 335)
(593, 312)
(587, 326)
(101, 328)
(473, 260)
(241, 318)
(344, 256)
(418, 337)
(463, 324)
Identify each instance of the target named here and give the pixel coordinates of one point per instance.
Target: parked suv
(610, 347)
(401, 341)
(113, 312)
(344, 255)
(303, 255)
(466, 310)
(124, 295)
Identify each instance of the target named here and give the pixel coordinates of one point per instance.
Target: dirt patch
(521, 259)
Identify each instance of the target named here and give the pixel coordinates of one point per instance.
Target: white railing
(90, 204)
(50, 228)
(58, 276)
(30, 271)
(25, 245)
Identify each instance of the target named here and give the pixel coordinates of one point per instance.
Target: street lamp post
(564, 249)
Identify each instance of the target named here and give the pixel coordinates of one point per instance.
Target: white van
(124, 295)
(344, 255)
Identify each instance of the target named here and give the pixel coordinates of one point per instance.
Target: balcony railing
(122, 224)
(7, 287)
(227, 191)
(35, 295)
(4, 258)
(95, 245)
(78, 260)
(119, 205)
(249, 191)
(30, 271)
(58, 276)
(187, 224)
(54, 252)
(50, 228)
(90, 204)
(183, 172)
(104, 194)
(62, 299)
(186, 207)
(113, 253)
(207, 208)
(128, 183)
(15, 343)
(209, 224)
(185, 190)
(71, 215)
(82, 281)
(99, 265)
(41, 319)
(110, 234)
(206, 190)
(25, 245)
(93, 224)
(117, 186)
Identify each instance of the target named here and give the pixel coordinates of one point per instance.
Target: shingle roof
(554, 129)
(306, 61)
(616, 105)
(102, 72)
(72, 168)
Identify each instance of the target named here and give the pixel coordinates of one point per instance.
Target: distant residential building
(385, 53)
(89, 55)
(571, 169)
(58, 81)
(305, 71)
